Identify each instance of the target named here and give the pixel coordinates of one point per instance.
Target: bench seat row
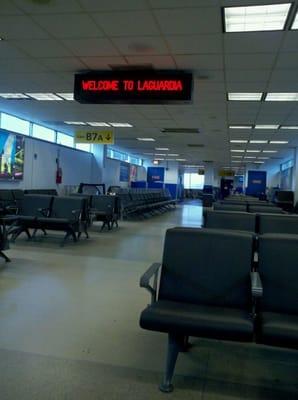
(217, 295)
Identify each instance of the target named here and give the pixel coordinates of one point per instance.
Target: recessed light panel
(266, 126)
(120, 124)
(66, 96)
(245, 96)
(44, 96)
(97, 124)
(278, 142)
(294, 127)
(14, 96)
(295, 23)
(238, 141)
(281, 97)
(258, 141)
(269, 151)
(240, 126)
(74, 123)
(259, 162)
(162, 148)
(253, 151)
(250, 157)
(270, 17)
(237, 151)
(144, 139)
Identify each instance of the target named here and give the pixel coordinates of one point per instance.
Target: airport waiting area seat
(44, 212)
(201, 293)
(144, 202)
(285, 199)
(277, 224)
(241, 221)
(106, 209)
(221, 206)
(208, 294)
(277, 322)
(265, 209)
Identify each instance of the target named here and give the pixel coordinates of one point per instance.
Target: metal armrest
(145, 280)
(44, 211)
(77, 213)
(256, 284)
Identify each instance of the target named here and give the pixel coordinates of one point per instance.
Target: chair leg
(7, 259)
(103, 225)
(44, 231)
(174, 346)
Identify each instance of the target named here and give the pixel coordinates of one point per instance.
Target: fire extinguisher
(59, 170)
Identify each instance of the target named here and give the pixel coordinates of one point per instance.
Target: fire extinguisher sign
(95, 137)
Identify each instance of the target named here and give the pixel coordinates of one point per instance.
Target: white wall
(111, 173)
(40, 166)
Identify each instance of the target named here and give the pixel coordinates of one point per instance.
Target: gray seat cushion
(279, 329)
(198, 320)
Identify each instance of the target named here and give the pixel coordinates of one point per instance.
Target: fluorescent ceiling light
(74, 123)
(258, 141)
(181, 159)
(44, 96)
(173, 155)
(237, 151)
(253, 151)
(162, 148)
(11, 96)
(281, 97)
(237, 156)
(65, 96)
(160, 154)
(295, 23)
(266, 126)
(263, 158)
(159, 159)
(240, 126)
(278, 142)
(259, 162)
(149, 154)
(120, 124)
(236, 161)
(238, 141)
(289, 127)
(269, 151)
(245, 96)
(97, 124)
(250, 157)
(270, 17)
(146, 139)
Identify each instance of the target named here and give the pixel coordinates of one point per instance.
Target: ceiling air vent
(195, 145)
(180, 130)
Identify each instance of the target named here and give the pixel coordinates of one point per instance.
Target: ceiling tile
(165, 62)
(102, 62)
(90, 47)
(8, 8)
(7, 50)
(189, 21)
(252, 42)
(74, 26)
(195, 44)
(20, 27)
(184, 3)
(52, 6)
(247, 76)
(203, 61)
(127, 23)
(24, 65)
(42, 48)
(64, 64)
(287, 60)
(108, 5)
(140, 45)
(249, 61)
(290, 42)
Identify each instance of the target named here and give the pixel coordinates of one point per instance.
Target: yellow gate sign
(95, 136)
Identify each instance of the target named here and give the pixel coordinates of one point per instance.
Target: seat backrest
(278, 255)
(18, 194)
(71, 208)
(241, 221)
(285, 195)
(278, 224)
(104, 203)
(265, 209)
(229, 207)
(6, 196)
(193, 272)
(35, 205)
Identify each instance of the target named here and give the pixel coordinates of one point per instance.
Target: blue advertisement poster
(256, 183)
(155, 174)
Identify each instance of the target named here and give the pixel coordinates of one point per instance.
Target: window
(286, 165)
(65, 140)
(83, 146)
(15, 124)
(193, 180)
(119, 155)
(40, 132)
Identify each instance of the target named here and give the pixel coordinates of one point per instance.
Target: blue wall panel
(155, 174)
(256, 183)
(172, 189)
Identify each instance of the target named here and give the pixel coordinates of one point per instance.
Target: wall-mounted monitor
(12, 147)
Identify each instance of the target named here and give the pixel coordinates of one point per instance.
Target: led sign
(133, 87)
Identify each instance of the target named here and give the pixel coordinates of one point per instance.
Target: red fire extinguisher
(59, 175)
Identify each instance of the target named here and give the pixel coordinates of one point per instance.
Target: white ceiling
(45, 44)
